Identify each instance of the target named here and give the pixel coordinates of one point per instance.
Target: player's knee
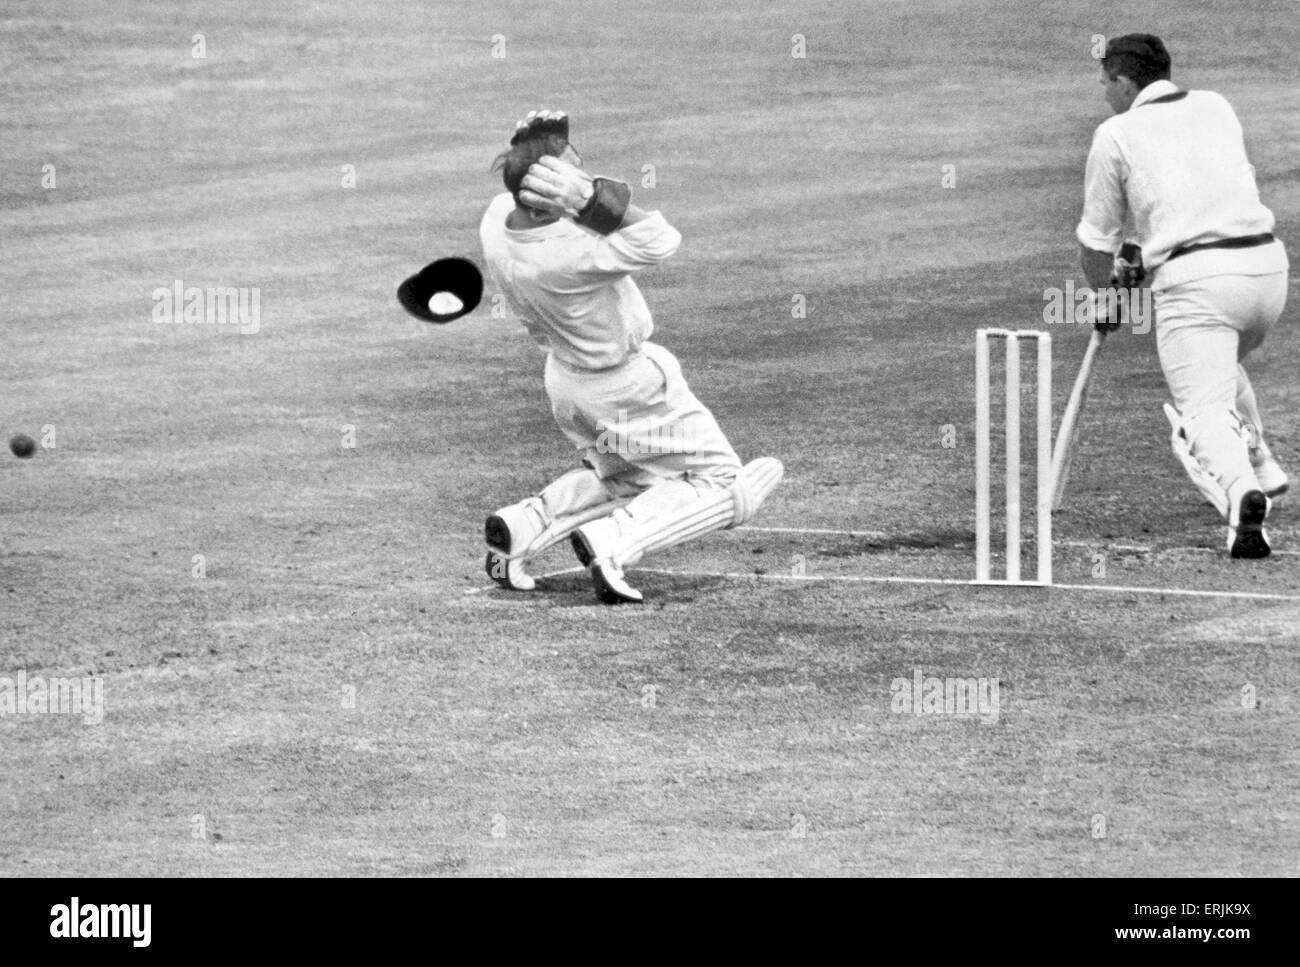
(751, 486)
(1213, 422)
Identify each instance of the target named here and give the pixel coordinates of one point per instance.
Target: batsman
(562, 246)
(1175, 162)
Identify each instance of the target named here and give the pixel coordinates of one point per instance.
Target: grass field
(303, 672)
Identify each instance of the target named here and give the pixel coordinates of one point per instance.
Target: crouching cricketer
(561, 247)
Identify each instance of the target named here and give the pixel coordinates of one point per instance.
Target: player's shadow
(948, 539)
(575, 590)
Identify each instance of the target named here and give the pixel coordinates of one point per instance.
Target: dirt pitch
(302, 672)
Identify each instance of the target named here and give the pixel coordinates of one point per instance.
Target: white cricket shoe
(612, 587)
(1246, 537)
(593, 544)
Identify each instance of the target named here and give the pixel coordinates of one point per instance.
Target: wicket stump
(1043, 535)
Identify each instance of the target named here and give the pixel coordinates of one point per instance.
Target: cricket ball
(22, 445)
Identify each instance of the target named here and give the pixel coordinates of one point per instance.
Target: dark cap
(458, 277)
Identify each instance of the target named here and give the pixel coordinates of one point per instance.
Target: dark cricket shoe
(1247, 539)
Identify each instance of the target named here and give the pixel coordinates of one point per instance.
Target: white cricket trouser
(639, 423)
(654, 455)
(1204, 329)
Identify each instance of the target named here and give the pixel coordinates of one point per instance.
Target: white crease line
(862, 579)
(1185, 592)
(952, 582)
(1135, 548)
(811, 530)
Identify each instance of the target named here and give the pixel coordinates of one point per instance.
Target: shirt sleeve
(620, 253)
(1104, 207)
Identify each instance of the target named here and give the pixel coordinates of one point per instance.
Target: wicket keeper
(562, 247)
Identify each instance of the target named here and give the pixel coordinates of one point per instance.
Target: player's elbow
(667, 244)
(648, 235)
(662, 245)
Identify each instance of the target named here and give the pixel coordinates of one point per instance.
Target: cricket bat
(1068, 436)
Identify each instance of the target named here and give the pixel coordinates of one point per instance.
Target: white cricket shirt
(1180, 169)
(572, 287)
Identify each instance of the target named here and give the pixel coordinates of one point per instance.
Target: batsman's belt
(1242, 241)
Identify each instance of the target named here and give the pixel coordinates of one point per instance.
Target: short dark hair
(514, 162)
(1141, 58)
